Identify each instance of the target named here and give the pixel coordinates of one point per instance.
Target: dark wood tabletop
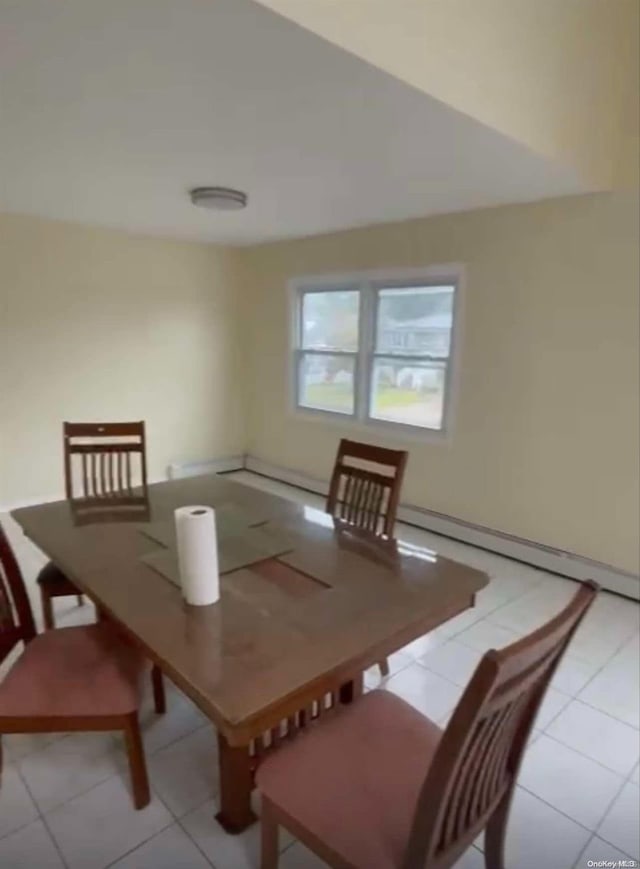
(286, 631)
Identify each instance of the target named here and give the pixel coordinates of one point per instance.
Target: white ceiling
(112, 109)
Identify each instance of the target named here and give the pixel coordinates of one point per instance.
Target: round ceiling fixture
(219, 198)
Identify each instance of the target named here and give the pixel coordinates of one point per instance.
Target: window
(330, 331)
(377, 351)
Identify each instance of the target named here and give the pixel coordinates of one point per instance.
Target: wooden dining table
(292, 634)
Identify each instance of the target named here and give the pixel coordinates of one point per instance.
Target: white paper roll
(198, 554)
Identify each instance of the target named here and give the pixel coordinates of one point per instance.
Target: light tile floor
(64, 800)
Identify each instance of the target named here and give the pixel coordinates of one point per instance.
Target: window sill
(389, 430)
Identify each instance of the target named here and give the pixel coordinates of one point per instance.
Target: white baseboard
(284, 475)
(178, 471)
(537, 554)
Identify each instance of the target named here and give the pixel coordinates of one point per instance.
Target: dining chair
(105, 464)
(70, 679)
(380, 786)
(364, 496)
(100, 462)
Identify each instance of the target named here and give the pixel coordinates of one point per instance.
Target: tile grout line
(174, 820)
(597, 709)
(593, 832)
(118, 774)
(144, 841)
(620, 775)
(149, 754)
(190, 837)
(626, 782)
(595, 835)
(599, 672)
(556, 809)
(601, 711)
(177, 818)
(42, 818)
(55, 842)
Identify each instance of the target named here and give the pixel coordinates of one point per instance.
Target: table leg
(236, 784)
(350, 691)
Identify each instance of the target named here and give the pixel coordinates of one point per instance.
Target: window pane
(330, 320)
(326, 382)
(415, 320)
(408, 392)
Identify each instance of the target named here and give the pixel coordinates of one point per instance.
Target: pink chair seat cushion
(354, 779)
(82, 671)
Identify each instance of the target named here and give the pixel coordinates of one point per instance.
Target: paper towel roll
(198, 554)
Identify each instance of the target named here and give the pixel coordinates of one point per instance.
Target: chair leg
(269, 837)
(79, 599)
(384, 668)
(47, 609)
(159, 697)
(137, 763)
(495, 835)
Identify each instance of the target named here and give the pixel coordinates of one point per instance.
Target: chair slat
(103, 475)
(481, 787)
(94, 485)
(362, 505)
(461, 795)
(377, 510)
(85, 477)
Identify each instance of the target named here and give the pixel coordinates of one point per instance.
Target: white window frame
(369, 283)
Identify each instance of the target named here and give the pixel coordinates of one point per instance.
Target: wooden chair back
(104, 459)
(16, 617)
(474, 771)
(362, 496)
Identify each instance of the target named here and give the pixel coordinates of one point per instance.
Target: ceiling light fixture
(219, 198)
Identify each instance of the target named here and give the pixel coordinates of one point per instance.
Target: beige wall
(627, 158)
(545, 443)
(99, 324)
(539, 71)
(96, 324)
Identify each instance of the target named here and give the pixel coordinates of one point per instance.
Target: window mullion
(359, 382)
(366, 349)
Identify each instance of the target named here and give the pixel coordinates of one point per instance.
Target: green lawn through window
(339, 396)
